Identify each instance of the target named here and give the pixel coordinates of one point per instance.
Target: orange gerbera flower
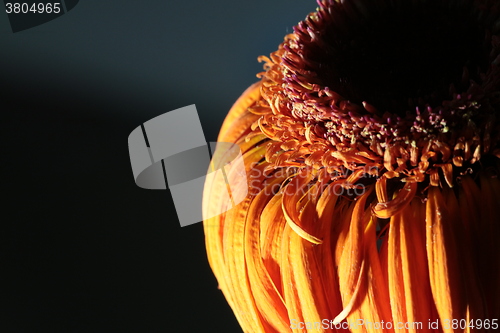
(371, 146)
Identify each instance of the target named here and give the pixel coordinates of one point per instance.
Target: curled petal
(387, 209)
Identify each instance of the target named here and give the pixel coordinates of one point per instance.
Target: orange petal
(411, 297)
(292, 194)
(444, 272)
(387, 209)
(239, 119)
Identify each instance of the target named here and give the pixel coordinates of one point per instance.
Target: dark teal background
(82, 248)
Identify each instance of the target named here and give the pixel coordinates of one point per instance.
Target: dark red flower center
(411, 88)
(400, 56)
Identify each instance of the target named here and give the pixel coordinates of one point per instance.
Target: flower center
(409, 88)
(398, 58)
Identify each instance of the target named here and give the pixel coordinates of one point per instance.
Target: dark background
(82, 248)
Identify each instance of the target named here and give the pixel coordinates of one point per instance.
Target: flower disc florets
(408, 90)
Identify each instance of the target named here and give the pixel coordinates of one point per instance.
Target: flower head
(372, 145)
